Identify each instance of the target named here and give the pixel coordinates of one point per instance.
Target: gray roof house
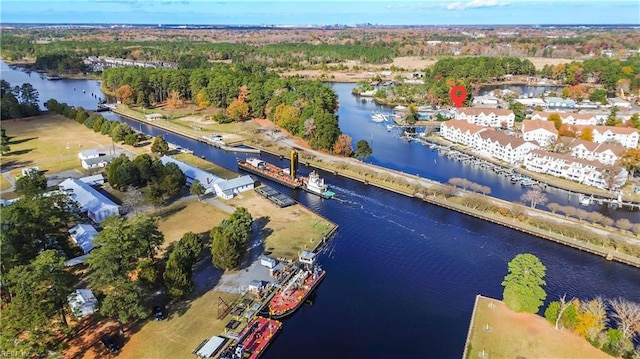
(97, 206)
(229, 188)
(82, 302)
(82, 234)
(193, 173)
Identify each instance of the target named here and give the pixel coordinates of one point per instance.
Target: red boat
(267, 170)
(255, 338)
(295, 292)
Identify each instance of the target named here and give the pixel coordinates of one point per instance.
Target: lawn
(4, 183)
(193, 216)
(206, 165)
(288, 230)
(498, 332)
(52, 143)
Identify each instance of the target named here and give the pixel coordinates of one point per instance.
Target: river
(403, 274)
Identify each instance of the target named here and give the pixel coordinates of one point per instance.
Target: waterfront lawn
(522, 335)
(193, 216)
(287, 230)
(188, 324)
(4, 183)
(51, 142)
(205, 165)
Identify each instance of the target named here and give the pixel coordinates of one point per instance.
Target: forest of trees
(19, 101)
(305, 108)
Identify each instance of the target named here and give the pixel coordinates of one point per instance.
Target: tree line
(18, 101)
(305, 108)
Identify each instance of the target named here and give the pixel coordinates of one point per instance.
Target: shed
(92, 153)
(83, 234)
(307, 257)
(227, 189)
(209, 347)
(268, 262)
(153, 116)
(97, 162)
(94, 180)
(82, 302)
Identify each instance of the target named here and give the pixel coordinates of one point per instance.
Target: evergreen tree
(196, 189)
(363, 150)
(159, 145)
(523, 284)
(32, 183)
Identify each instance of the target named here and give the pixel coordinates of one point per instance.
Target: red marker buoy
(458, 94)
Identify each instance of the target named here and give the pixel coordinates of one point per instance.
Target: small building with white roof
(83, 302)
(83, 234)
(97, 206)
(228, 188)
(193, 173)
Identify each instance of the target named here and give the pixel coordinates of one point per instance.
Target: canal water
(402, 274)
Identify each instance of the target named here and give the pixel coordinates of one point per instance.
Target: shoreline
(608, 254)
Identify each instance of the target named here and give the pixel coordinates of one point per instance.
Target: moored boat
(288, 299)
(254, 339)
(377, 116)
(315, 184)
(269, 171)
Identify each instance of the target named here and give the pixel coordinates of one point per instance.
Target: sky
(327, 12)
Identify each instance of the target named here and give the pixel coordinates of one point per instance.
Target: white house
(97, 206)
(489, 117)
(507, 148)
(462, 132)
(192, 173)
(619, 103)
(229, 188)
(531, 102)
(543, 132)
(95, 180)
(96, 162)
(626, 136)
(605, 153)
(92, 153)
(82, 234)
(82, 302)
(487, 100)
(570, 118)
(153, 116)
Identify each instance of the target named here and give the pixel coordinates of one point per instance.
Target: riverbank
(446, 197)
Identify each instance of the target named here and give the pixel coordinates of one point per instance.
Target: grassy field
(522, 335)
(182, 217)
(181, 333)
(205, 165)
(51, 142)
(4, 183)
(287, 230)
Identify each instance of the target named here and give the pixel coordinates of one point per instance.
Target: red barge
(254, 339)
(265, 169)
(286, 301)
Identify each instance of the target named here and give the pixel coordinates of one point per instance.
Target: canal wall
(473, 318)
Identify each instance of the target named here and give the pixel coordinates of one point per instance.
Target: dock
(277, 198)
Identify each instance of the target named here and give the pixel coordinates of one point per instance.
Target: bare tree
(132, 200)
(624, 224)
(534, 197)
(636, 229)
(569, 211)
(554, 207)
(485, 190)
(581, 214)
(594, 217)
(607, 221)
(613, 176)
(516, 210)
(563, 306)
(626, 314)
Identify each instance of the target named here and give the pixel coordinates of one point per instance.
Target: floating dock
(277, 198)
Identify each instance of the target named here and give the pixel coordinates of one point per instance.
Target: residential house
(619, 103)
(570, 118)
(227, 189)
(83, 302)
(95, 204)
(92, 153)
(625, 136)
(97, 162)
(506, 148)
(605, 153)
(543, 132)
(486, 101)
(95, 180)
(83, 234)
(489, 117)
(462, 132)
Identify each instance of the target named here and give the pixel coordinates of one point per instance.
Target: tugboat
(286, 301)
(254, 339)
(315, 184)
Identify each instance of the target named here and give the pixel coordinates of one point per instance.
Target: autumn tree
(342, 147)
(523, 284)
(124, 94)
(202, 99)
(555, 118)
(238, 110)
(587, 134)
(287, 116)
(630, 160)
(613, 176)
(175, 100)
(591, 318)
(534, 196)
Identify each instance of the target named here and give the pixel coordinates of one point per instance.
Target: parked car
(109, 343)
(159, 312)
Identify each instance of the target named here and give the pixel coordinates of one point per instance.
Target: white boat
(389, 127)
(377, 116)
(315, 184)
(584, 200)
